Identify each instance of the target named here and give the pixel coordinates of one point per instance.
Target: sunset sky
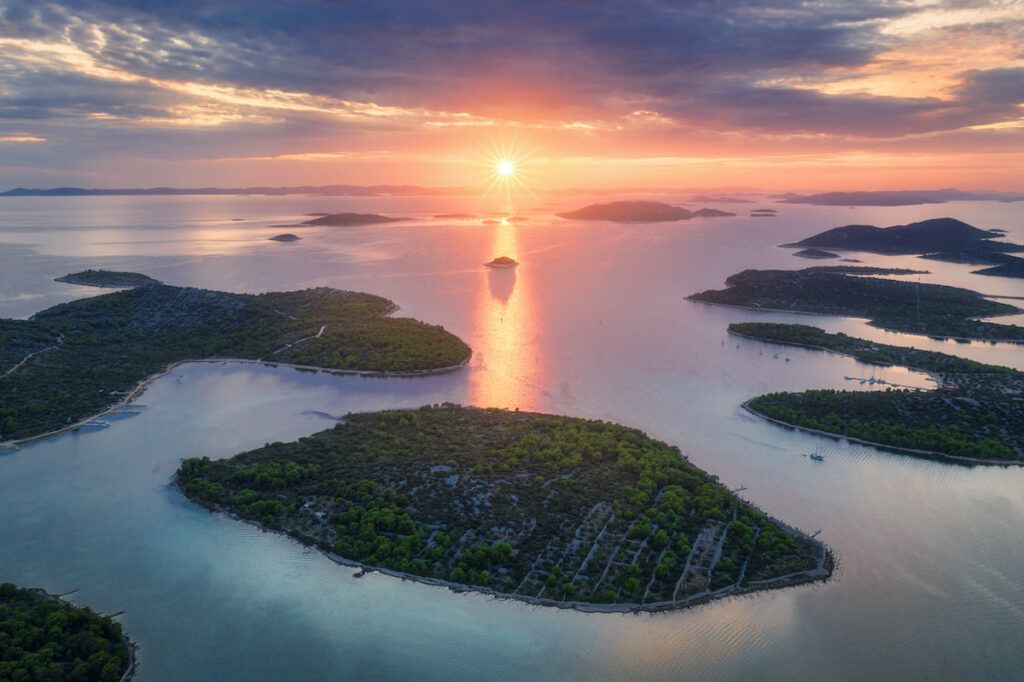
(804, 96)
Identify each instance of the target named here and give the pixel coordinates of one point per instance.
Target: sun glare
(505, 172)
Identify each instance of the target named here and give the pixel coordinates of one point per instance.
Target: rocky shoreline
(821, 573)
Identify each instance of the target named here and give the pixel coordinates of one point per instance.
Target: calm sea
(593, 323)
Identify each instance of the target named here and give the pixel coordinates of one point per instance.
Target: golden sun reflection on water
(505, 322)
(725, 631)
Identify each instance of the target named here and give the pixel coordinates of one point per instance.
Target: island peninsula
(547, 509)
(927, 309)
(81, 358)
(943, 239)
(43, 637)
(975, 414)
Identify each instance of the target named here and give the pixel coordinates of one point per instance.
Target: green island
(942, 239)
(112, 279)
(78, 359)
(547, 509)
(927, 309)
(45, 638)
(975, 414)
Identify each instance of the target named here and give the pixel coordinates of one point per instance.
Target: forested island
(976, 413)
(77, 359)
(107, 278)
(640, 212)
(943, 239)
(548, 509)
(928, 309)
(45, 638)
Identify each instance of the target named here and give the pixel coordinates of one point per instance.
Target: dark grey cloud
(397, 48)
(996, 86)
(702, 63)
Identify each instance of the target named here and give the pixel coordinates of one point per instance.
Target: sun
(505, 171)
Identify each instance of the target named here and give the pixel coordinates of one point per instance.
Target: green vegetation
(928, 309)
(867, 351)
(527, 505)
(76, 359)
(43, 638)
(107, 278)
(978, 413)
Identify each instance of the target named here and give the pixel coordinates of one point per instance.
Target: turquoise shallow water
(593, 323)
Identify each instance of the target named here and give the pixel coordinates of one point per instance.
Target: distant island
(937, 235)
(815, 253)
(502, 262)
(976, 413)
(639, 212)
(45, 638)
(352, 219)
(107, 278)
(896, 198)
(550, 510)
(81, 358)
(944, 239)
(456, 216)
(927, 309)
(708, 199)
(286, 237)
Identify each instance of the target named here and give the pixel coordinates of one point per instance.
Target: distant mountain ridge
(895, 197)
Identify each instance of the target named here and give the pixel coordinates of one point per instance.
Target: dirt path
(26, 359)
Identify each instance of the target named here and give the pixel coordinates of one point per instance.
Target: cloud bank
(204, 85)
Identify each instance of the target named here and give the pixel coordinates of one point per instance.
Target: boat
(817, 458)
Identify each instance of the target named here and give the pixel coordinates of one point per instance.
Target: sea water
(592, 323)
